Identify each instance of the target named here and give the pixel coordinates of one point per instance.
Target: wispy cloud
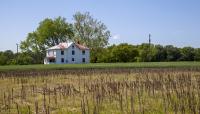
(116, 37)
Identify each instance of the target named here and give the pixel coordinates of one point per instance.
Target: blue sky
(175, 22)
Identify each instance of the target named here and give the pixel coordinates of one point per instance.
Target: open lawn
(102, 65)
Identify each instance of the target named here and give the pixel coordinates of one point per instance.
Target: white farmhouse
(67, 53)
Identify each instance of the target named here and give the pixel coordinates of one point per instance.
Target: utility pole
(17, 53)
(17, 48)
(149, 57)
(149, 40)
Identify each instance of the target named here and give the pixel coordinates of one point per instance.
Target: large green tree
(90, 31)
(53, 31)
(49, 33)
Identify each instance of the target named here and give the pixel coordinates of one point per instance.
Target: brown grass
(95, 91)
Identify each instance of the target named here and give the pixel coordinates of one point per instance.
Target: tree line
(116, 53)
(145, 53)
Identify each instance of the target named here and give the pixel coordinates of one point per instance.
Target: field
(101, 65)
(160, 88)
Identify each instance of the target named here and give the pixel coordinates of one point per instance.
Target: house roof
(81, 47)
(66, 45)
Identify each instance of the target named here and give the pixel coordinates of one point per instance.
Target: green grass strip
(101, 65)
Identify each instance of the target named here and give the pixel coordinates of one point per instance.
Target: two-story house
(67, 53)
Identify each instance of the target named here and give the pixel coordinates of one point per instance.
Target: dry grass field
(101, 91)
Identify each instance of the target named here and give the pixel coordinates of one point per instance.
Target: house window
(83, 60)
(62, 60)
(62, 52)
(72, 46)
(72, 59)
(83, 52)
(73, 52)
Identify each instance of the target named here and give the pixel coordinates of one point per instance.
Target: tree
(24, 59)
(173, 53)
(96, 55)
(145, 52)
(106, 54)
(33, 45)
(49, 33)
(9, 56)
(6, 57)
(124, 53)
(187, 53)
(3, 59)
(90, 31)
(159, 53)
(52, 32)
(197, 54)
(117, 53)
